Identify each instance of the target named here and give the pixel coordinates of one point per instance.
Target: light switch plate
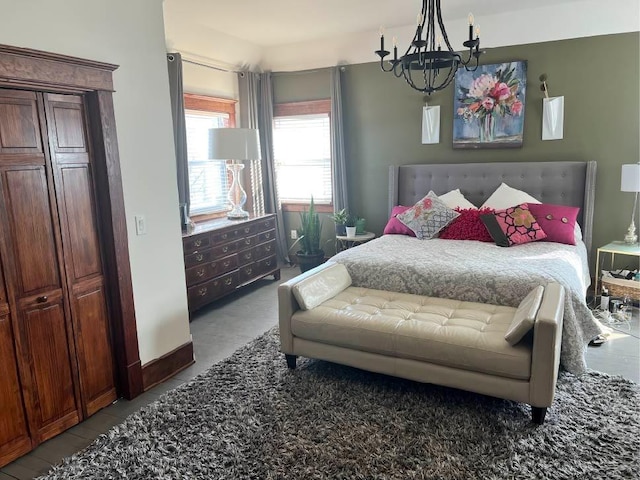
(141, 225)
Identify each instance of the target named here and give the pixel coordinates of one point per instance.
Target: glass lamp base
(237, 196)
(631, 236)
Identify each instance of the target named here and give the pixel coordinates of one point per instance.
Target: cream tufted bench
(433, 340)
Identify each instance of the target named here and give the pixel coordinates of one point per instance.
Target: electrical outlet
(294, 234)
(141, 225)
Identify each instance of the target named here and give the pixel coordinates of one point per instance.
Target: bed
(484, 272)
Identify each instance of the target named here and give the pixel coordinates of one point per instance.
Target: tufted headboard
(561, 183)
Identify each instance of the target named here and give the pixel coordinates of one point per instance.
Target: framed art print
(489, 106)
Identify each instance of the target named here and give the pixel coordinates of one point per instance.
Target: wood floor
(220, 329)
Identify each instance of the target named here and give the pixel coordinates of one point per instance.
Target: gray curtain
(339, 167)
(256, 111)
(174, 64)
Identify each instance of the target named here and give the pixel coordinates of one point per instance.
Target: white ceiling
(300, 34)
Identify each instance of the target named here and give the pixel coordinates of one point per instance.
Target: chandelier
(426, 66)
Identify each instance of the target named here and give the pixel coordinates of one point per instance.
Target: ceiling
(268, 23)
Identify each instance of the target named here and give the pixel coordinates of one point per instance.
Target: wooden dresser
(222, 255)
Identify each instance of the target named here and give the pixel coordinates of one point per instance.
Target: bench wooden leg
(291, 360)
(537, 414)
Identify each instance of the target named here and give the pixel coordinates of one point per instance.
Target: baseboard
(160, 369)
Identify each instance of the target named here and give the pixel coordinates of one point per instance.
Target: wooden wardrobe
(57, 359)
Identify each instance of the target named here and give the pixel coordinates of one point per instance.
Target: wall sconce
(552, 113)
(430, 124)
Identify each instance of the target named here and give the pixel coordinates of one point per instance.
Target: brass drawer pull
(268, 263)
(197, 243)
(224, 236)
(225, 249)
(247, 230)
(247, 241)
(199, 257)
(226, 263)
(248, 271)
(247, 255)
(42, 299)
(227, 281)
(200, 272)
(202, 292)
(267, 248)
(267, 235)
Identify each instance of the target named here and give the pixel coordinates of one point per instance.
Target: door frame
(51, 72)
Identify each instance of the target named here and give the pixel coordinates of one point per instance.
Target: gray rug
(248, 417)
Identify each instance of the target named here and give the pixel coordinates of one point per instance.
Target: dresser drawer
(264, 250)
(226, 236)
(245, 257)
(211, 269)
(198, 258)
(247, 242)
(226, 249)
(212, 289)
(265, 224)
(248, 273)
(266, 236)
(193, 244)
(266, 265)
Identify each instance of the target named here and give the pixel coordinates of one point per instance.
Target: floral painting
(489, 106)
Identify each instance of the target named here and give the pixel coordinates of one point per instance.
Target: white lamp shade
(630, 181)
(234, 144)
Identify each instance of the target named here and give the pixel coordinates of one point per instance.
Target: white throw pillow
(320, 287)
(505, 197)
(525, 316)
(455, 199)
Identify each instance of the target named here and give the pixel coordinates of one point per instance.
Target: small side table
(343, 242)
(614, 248)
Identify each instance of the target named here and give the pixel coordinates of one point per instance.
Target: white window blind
(208, 180)
(302, 154)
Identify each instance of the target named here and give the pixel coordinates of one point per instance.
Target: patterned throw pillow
(467, 226)
(513, 226)
(427, 217)
(394, 226)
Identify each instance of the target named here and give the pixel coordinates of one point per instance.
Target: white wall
(130, 34)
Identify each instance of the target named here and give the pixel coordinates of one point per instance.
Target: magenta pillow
(513, 226)
(395, 226)
(468, 226)
(557, 221)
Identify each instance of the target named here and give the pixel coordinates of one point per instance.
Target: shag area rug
(249, 417)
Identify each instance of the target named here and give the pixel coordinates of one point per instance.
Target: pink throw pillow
(395, 226)
(513, 226)
(468, 226)
(557, 221)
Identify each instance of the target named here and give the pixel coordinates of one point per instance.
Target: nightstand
(614, 248)
(343, 242)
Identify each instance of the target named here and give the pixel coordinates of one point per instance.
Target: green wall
(598, 76)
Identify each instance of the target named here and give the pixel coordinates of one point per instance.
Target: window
(208, 179)
(302, 152)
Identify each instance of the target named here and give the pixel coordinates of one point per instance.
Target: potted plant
(310, 255)
(340, 219)
(350, 226)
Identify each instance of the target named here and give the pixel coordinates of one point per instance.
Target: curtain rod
(193, 62)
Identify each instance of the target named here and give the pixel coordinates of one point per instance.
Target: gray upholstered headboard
(561, 183)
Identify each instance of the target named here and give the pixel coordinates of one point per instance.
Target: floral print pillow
(427, 217)
(513, 226)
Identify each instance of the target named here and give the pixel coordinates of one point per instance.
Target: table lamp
(237, 145)
(630, 182)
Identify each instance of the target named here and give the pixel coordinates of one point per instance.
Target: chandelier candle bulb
(395, 49)
(470, 26)
(381, 39)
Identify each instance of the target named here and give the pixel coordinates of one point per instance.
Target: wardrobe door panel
(19, 131)
(71, 160)
(95, 359)
(53, 404)
(14, 434)
(83, 236)
(29, 215)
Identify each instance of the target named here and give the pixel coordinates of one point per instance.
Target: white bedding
(481, 272)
